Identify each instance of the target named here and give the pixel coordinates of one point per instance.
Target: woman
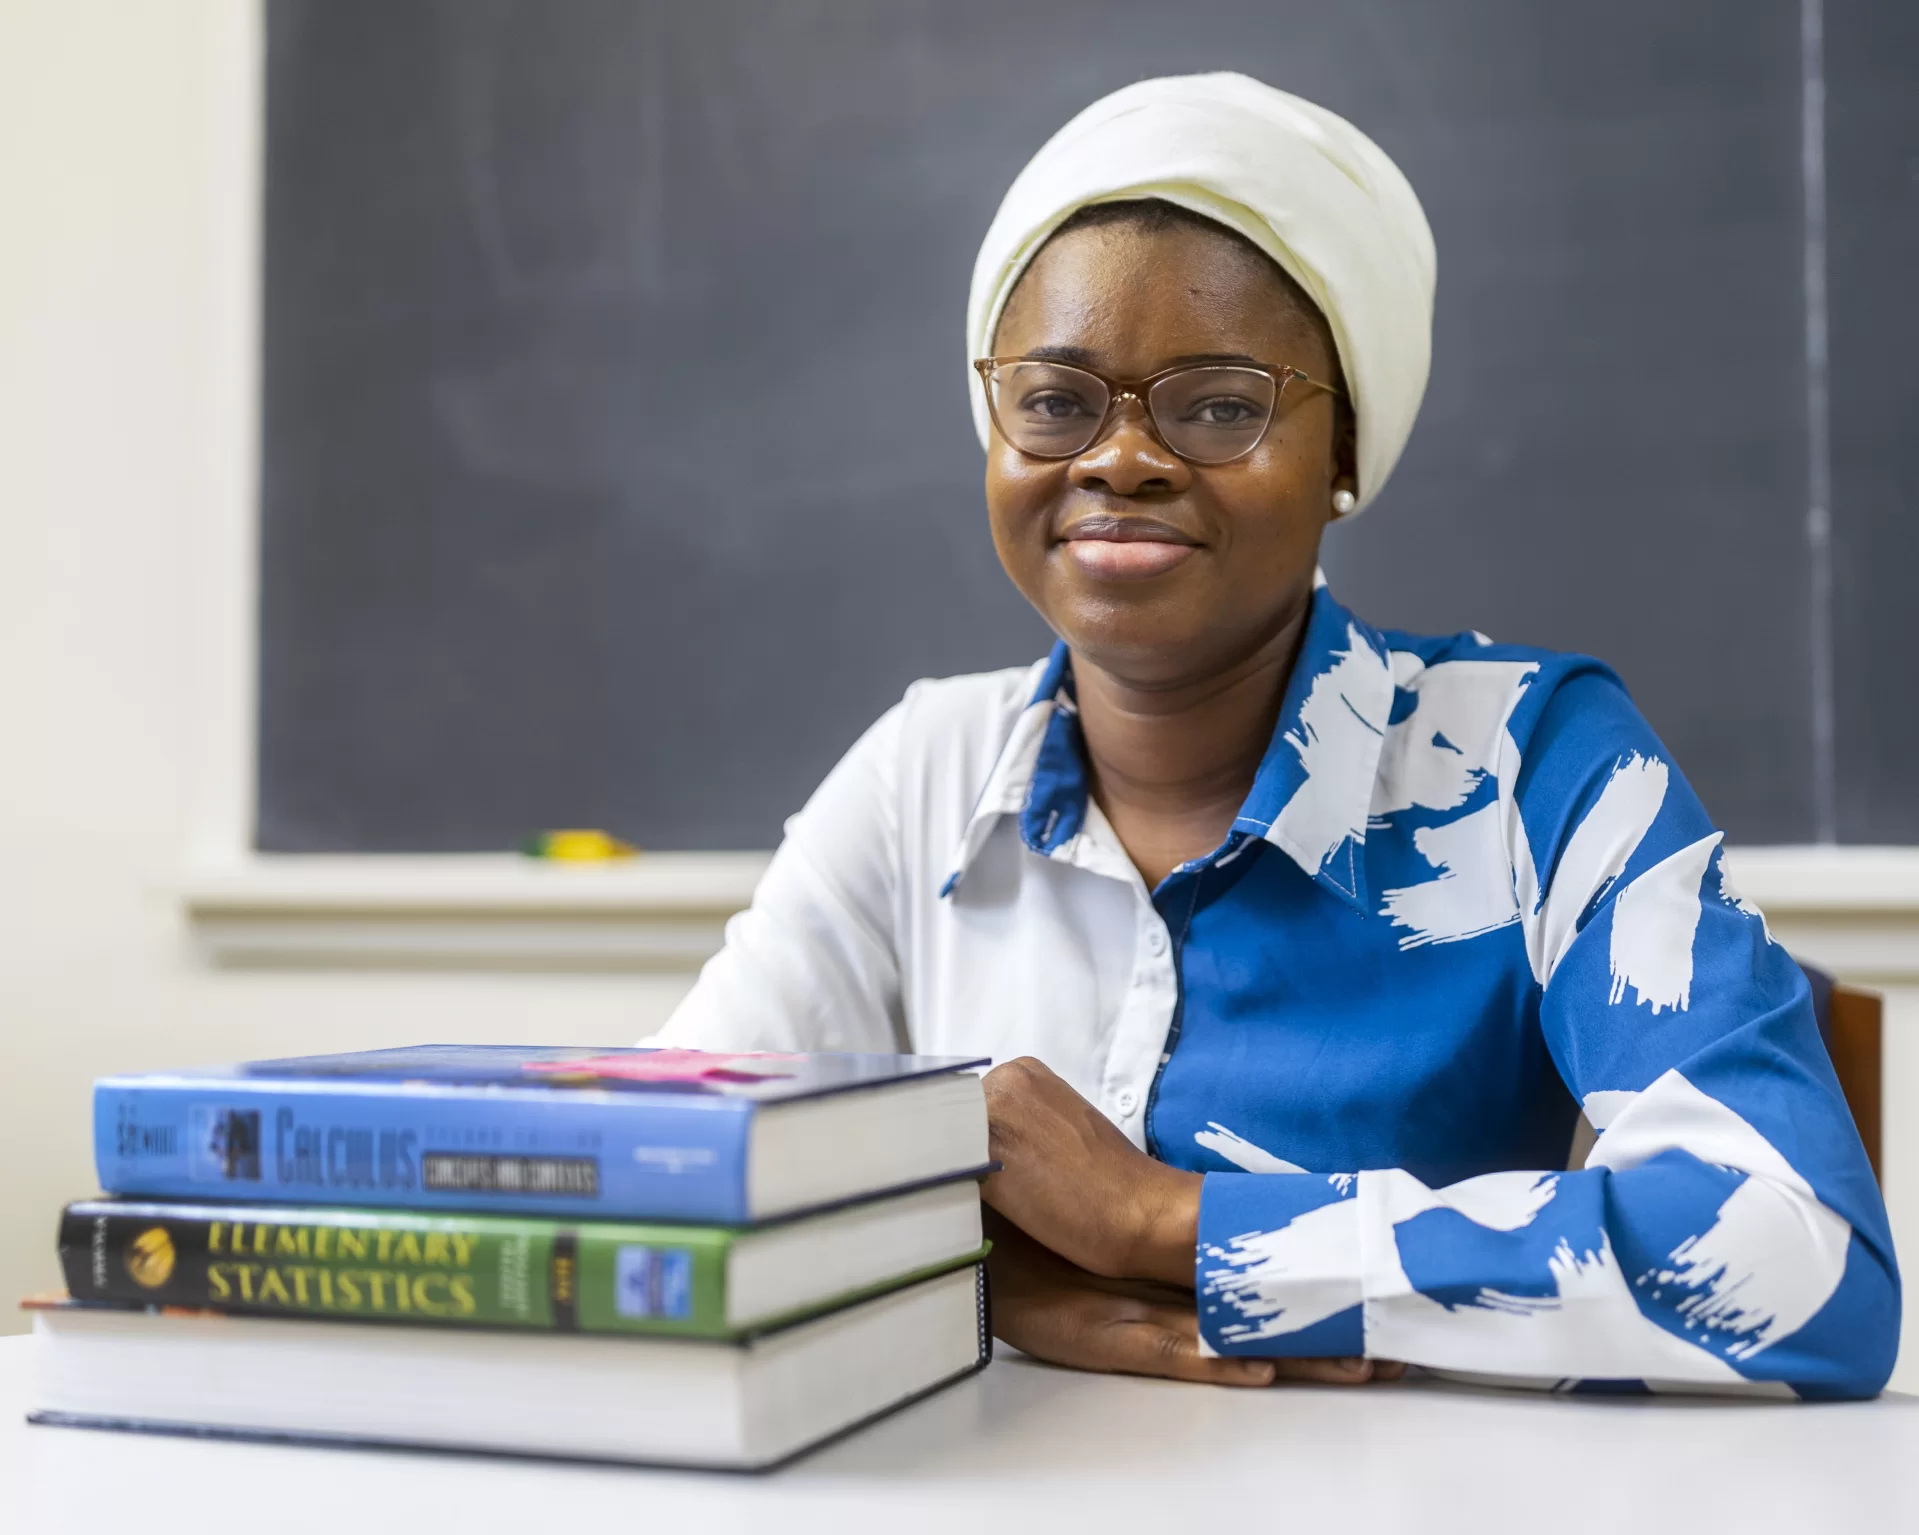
(1304, 942)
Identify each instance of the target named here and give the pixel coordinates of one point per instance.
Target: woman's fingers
(1163, 1341)
(1115, 1334)
(1045, 1307)
(1093, 1329)
(1329, 1372)
(1177, 1340)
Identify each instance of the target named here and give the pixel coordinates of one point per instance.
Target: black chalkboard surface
(1872, 72)
(616, 462)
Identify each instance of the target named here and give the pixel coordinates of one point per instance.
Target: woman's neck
(1171, 765)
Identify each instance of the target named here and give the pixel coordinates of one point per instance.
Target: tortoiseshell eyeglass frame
(1139, 389)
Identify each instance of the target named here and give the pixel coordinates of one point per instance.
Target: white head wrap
(1305, 186)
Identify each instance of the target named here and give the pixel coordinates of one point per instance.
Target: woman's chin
(1144, 642)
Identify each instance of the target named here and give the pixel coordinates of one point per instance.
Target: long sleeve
(1724, 1234)
(813, 963)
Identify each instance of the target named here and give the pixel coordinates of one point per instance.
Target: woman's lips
(1132, 560)
(1126, 548)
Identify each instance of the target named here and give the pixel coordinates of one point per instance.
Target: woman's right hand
(1052, 1310)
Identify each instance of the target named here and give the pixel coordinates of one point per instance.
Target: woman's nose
(1130, 460)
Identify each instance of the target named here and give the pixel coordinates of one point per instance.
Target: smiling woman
(1180, 581)
(1302, 941)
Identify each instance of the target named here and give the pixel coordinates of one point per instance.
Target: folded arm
(1724, 1234)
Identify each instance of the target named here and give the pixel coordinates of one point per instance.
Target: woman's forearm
(1073, 1182)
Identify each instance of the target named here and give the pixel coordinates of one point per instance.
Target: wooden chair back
(1850, 1022)
(1853, 1031)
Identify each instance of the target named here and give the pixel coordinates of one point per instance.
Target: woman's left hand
(1074, 1183)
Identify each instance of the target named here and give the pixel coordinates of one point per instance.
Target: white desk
(1024, 1447)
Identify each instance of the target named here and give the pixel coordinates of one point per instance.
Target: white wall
(128, 141)
(125, 186)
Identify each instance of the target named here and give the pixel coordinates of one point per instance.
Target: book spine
(363, 1265)
(599, 1155)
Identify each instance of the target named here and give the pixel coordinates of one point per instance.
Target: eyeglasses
(1207, 413)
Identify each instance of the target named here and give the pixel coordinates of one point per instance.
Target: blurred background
(424, 422)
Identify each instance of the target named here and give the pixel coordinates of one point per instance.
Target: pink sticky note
(672, 1066)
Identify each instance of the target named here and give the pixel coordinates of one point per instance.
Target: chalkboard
(1872, 68)
(586, 494)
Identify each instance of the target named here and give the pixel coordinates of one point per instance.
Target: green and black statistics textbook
(510, 1271)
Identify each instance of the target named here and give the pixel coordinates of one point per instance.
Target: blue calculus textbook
(683, 1135)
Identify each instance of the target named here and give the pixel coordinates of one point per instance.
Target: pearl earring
(1343, 502)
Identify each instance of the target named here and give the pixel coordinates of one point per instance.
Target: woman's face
(1159, 571)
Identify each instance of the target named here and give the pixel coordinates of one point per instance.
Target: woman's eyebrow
(1073, 356)
(1192, 357)
(1085, 357)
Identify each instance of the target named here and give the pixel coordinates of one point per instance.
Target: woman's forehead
(1132, 300)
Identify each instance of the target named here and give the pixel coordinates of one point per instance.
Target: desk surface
(1028, 1447)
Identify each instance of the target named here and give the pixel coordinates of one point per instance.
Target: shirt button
(1155, 940)
(1128, 1100)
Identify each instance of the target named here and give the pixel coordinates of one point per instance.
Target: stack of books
(659, 1256)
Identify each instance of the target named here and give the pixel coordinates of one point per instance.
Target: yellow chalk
(578, 846)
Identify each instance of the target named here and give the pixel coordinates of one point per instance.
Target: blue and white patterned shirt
(1468, 895)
